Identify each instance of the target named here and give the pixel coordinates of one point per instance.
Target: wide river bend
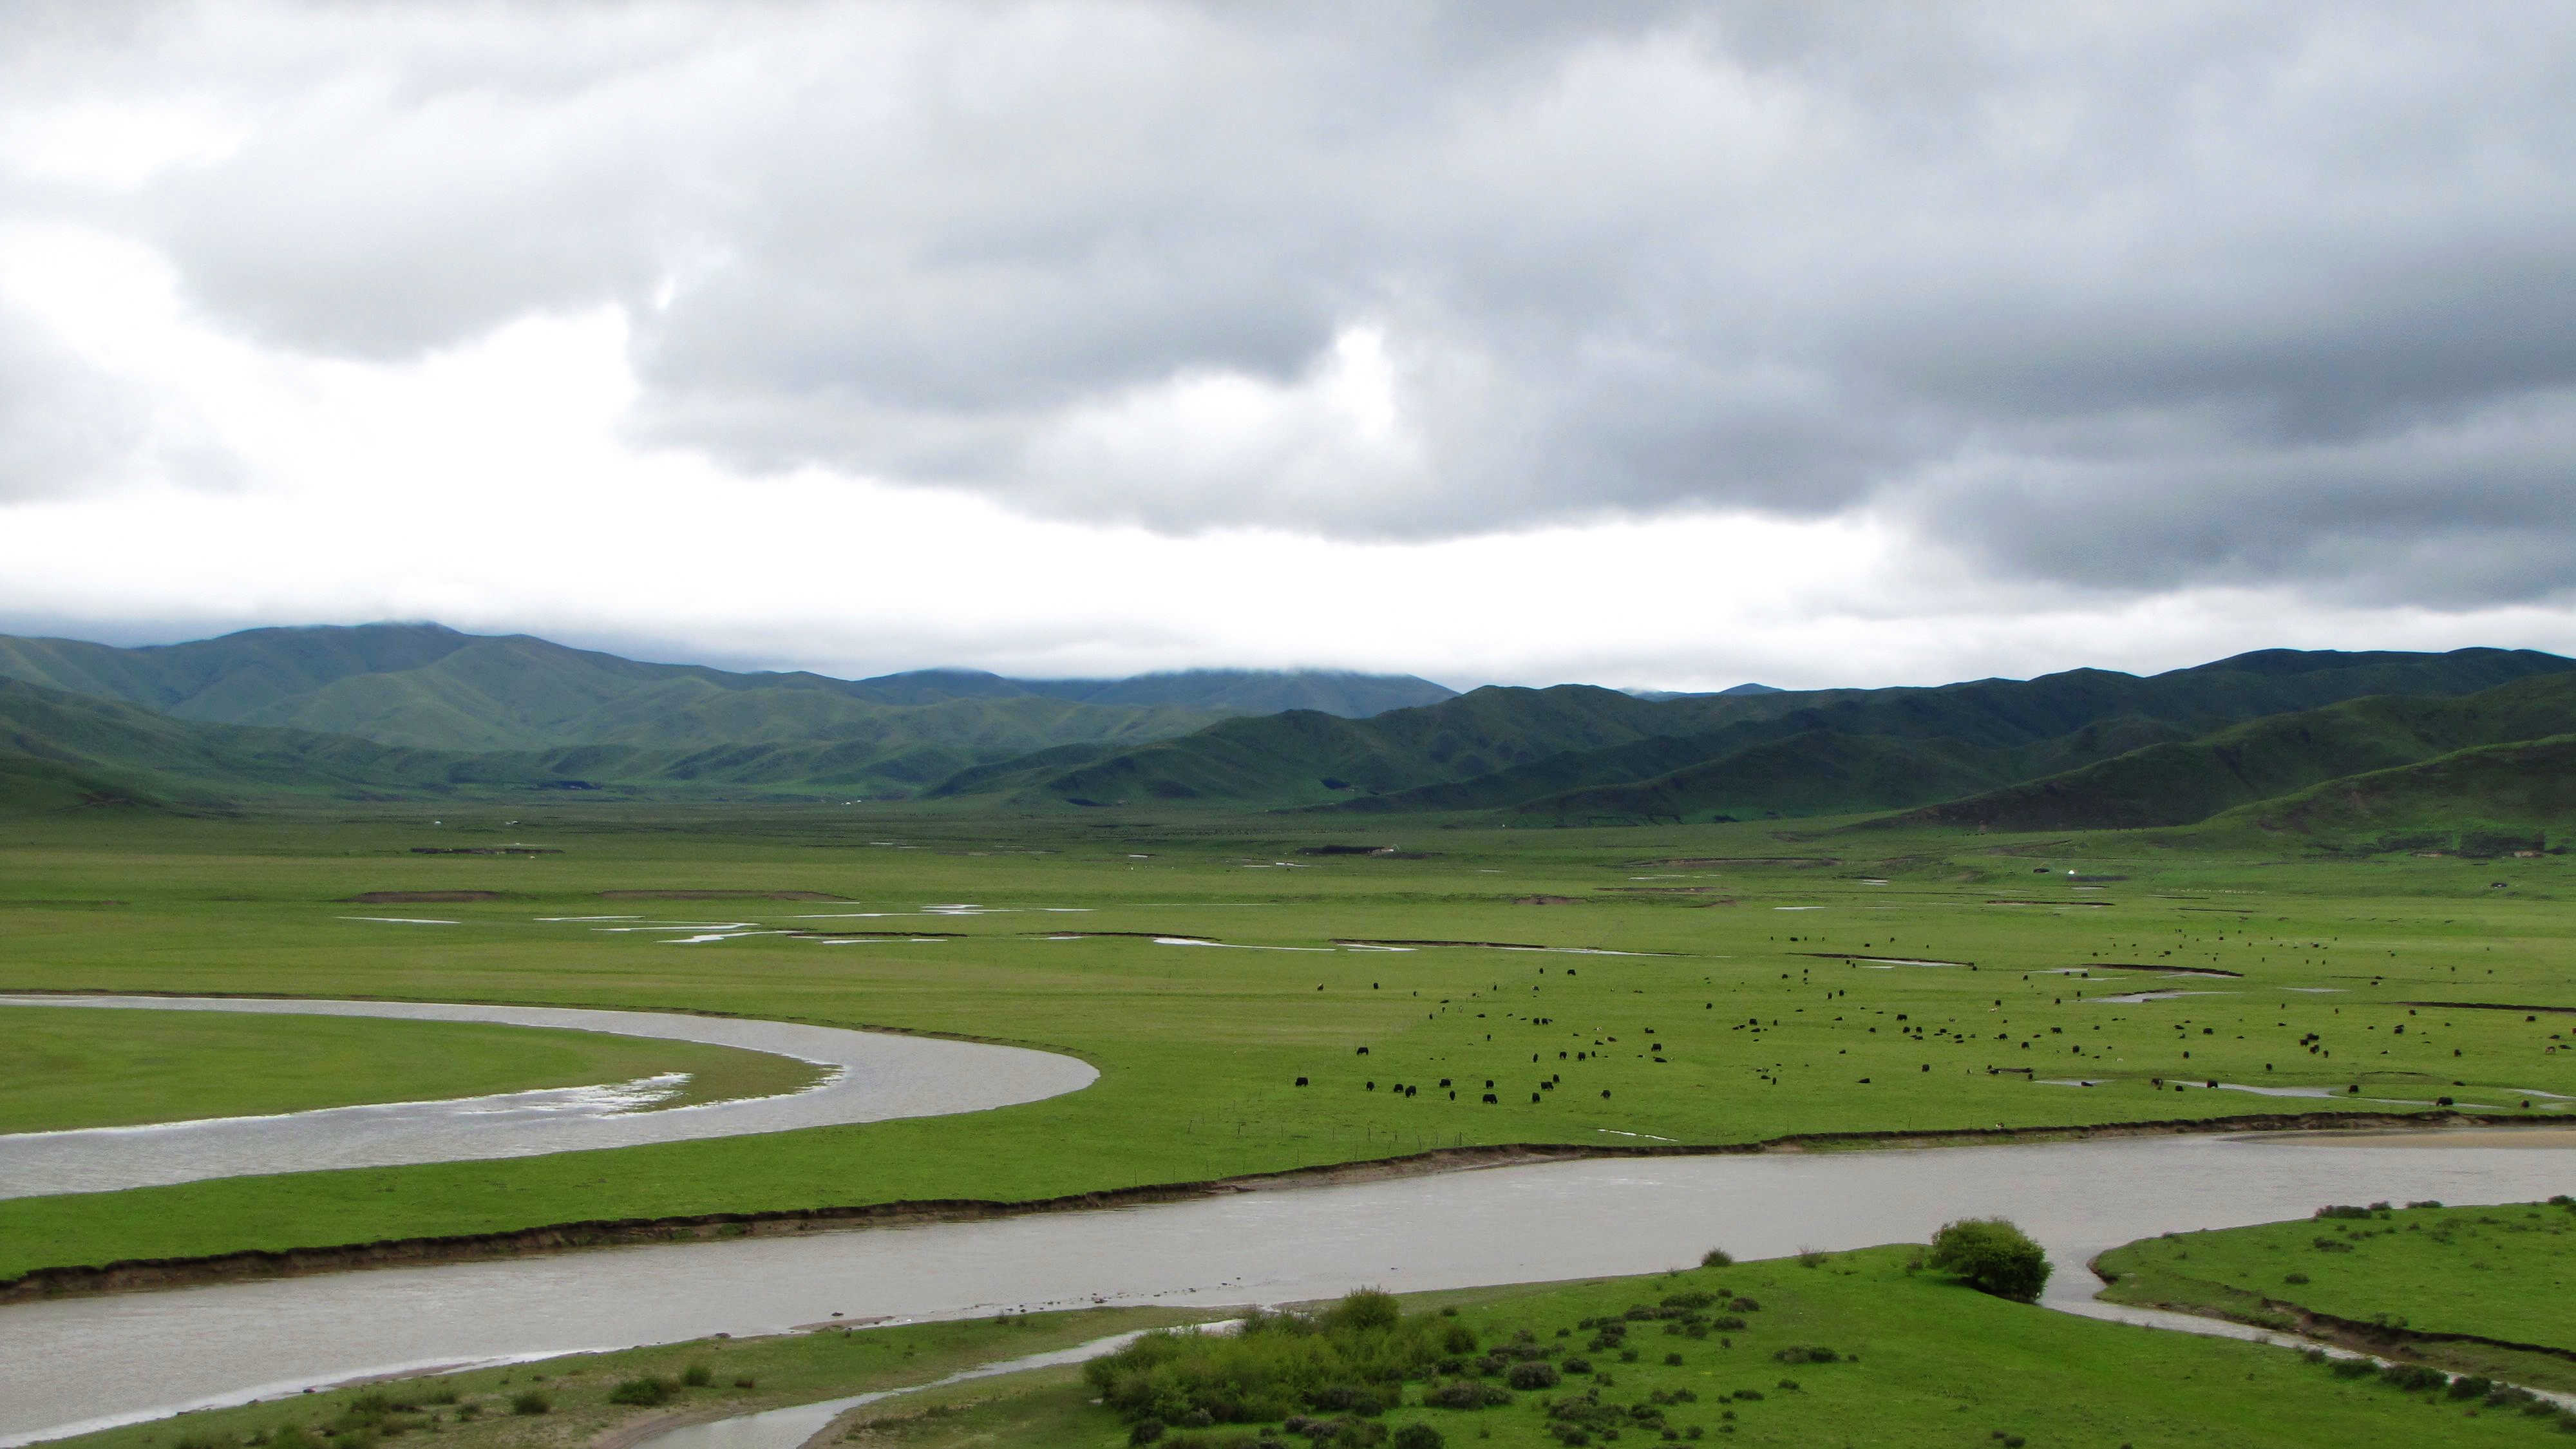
(874, 1076)
(87, 1362)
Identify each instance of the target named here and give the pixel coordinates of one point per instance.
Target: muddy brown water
(79, 1363)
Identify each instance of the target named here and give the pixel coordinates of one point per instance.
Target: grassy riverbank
(1910, 1358)
(1709, 984)
(575, 1401)
(2476, 1290)
(62, 1069)
(1914, 1359)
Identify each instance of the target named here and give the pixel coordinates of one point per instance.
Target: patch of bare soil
(718, 896)
(1489, 945)
(1705, 860)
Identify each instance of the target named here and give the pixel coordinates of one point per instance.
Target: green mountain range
(1577, 755)
(547, 711)
(2181, 782)
(2490, 800)
(2354, 747)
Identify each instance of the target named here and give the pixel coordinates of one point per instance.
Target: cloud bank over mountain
(2129, 308)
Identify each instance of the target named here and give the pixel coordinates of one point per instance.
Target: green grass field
(61, 1068)
(2497, 1273)
(1733, 1013)
(1917, 1360)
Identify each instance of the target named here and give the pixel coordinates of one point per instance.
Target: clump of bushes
(1536, 1373)
(530, 1401)
(1350, 1359)
(645, 1392)
(1466, 1394)
(1992, 1256)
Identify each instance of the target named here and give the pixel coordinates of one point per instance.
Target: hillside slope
(1522, 749)
(2178, 783)
(2491, 800)
(1827, 772)
(1303, 757)
(89, 739)
(428, 687)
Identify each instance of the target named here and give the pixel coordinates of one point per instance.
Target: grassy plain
(1728, 1006)
(1918, 1360)
(61, 1068)
(2496, 1273)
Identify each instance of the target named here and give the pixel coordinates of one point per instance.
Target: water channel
(874, 1076)
(80, 1363)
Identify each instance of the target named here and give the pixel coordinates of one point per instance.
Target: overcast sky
(1642, 344)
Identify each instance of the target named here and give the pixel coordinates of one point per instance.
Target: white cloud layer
(1671, 344)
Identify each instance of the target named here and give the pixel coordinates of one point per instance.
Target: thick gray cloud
(2124, 296)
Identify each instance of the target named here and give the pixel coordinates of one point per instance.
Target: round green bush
(1992, 1256)
(1532, 1374)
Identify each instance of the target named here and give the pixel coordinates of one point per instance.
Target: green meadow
(1865, 1347)
(1699, 985)
(2477, 1290)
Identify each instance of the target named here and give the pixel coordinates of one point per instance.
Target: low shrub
(697, 1376)
(1992, 1256)
(1716, 1258)
(1532, 1374)
(1418, 1436)
(1807, 1353)
(529, 1401)
(2413, 1377)
(1465, 1394)
(643, 1392)
(1351, 1359)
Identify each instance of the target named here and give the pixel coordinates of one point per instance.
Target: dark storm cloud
(2130, 297)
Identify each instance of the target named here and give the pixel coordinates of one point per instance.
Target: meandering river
(81, 1363)
(873, 1076)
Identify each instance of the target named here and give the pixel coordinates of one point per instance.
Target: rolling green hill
(1305, 757)
(1553, 753)
(98, 746)
(2178, 783)
(428, 685)
(1829, 772)
(2490, 800)
(58, 750)
(31, 785)
(527, 702)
